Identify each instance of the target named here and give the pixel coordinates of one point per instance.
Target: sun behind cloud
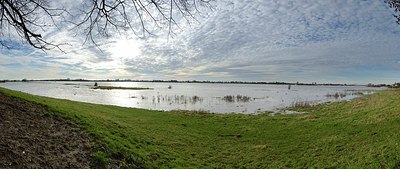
(125, 49)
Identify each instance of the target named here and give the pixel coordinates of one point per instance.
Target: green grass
(120, 88)
(363, 133)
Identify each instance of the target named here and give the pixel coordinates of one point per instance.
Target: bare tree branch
(120, 15)
(99, 18)
(23, 17)
(395, 4)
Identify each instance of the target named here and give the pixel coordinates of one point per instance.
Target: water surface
(213, 98)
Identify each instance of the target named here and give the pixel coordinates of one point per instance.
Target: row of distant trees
(186, 81)
(395, 85)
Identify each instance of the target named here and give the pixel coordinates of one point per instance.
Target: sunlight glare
(125, 49)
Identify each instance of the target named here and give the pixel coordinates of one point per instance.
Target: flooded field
(213, 98)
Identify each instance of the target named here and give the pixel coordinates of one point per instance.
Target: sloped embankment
(31, 138)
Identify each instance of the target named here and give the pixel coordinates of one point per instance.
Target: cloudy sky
(338, 41)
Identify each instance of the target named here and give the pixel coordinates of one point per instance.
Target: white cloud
(308, 40)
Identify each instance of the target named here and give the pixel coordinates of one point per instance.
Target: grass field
(362, 133)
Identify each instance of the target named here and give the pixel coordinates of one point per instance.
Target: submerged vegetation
(121, 88)
(338, 95)
(172, 99)
(238, 98)
(177, 99)
(362, 133)
(302, 104)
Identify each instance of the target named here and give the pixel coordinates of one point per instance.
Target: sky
(338, 41)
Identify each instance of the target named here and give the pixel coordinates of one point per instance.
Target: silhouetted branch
(105, 17)
(24, 17)
(395, 4)
(99, 18)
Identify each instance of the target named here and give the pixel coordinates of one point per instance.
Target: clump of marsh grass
(346, 93)
(238, 98)
(177, 99)
(336, 95)
(302, 104)
(229, 98)
(241, 98)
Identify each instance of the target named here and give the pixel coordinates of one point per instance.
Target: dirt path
(29, 139)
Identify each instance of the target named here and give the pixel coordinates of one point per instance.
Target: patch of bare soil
(31, 139)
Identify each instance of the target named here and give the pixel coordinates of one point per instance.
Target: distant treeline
(187, 81)
(395, 85)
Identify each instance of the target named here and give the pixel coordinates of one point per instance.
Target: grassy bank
(363, 133)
